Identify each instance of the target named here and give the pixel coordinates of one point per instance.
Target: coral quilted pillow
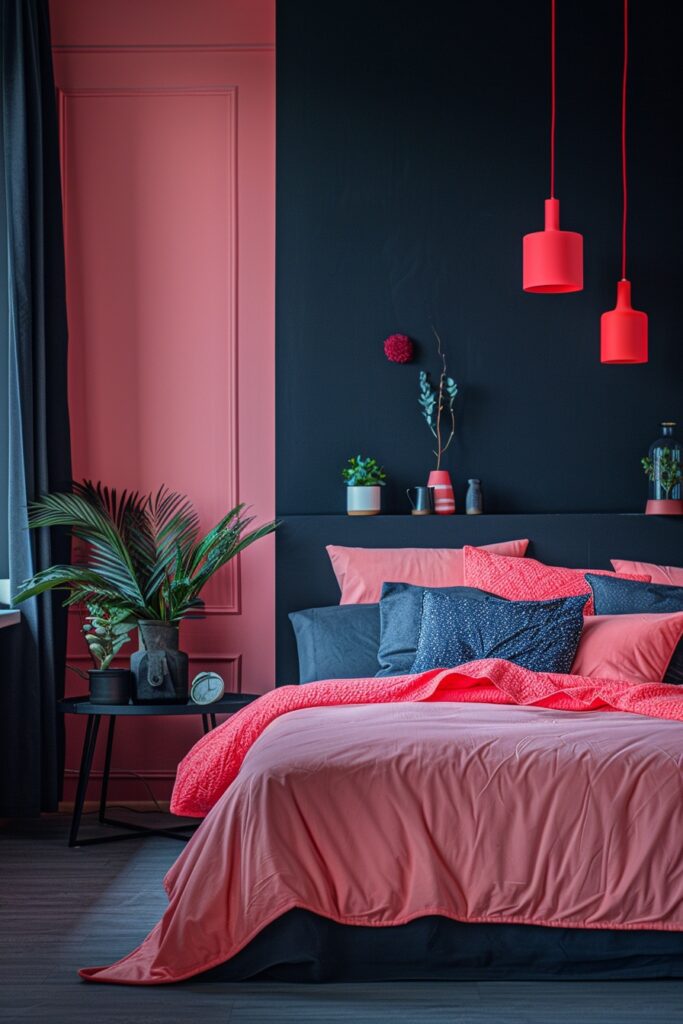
(361, 572)
(525, 579)
(669, 574)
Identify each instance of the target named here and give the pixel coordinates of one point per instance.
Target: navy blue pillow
(400, 612)
(629, 597)
(540, 635)
(339, 642)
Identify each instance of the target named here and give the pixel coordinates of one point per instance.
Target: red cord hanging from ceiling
(552, 259)
(624, 179)
(553, 101)
(624, 330)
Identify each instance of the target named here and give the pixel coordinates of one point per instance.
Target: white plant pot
(363, 501)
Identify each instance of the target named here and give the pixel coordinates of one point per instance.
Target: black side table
(227, 705)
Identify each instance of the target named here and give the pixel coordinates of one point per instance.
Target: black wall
(412, 157)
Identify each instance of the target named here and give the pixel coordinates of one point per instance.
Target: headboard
(304, 577)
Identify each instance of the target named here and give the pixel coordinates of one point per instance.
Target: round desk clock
(206, 688)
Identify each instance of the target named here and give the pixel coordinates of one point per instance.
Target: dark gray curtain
(32, 665)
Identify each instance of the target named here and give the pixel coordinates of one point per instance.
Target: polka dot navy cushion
(540, 635)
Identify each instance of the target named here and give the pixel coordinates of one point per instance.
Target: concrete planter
(363, 501)
(160, 670)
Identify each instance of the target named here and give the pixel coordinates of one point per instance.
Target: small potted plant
(662, 467)
(436, 405)
(106, 631)
(364, 479)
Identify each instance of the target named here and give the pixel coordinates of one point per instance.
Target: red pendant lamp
(623, 331)
(552, 259)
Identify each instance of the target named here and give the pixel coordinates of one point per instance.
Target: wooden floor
(61, 909)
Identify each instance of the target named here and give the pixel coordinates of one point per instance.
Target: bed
(485, 822)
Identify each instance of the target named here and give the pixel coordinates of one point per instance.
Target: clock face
(207, 687)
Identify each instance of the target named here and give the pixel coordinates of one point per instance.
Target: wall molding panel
(227, 491)
(167, 137)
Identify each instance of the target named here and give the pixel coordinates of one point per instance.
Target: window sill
(9, 617)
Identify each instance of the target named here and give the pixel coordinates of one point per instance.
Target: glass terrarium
(663, 469)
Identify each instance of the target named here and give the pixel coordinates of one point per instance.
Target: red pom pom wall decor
(398, 348)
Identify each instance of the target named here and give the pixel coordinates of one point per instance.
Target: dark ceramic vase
(109, 685)
(474, 504)
(160, 670)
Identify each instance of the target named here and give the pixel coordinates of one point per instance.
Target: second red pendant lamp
(623, 330)
(552, 259)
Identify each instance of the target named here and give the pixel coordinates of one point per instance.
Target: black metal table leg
(107, 767)
(228, 704)
(89, 744)
(209, 722)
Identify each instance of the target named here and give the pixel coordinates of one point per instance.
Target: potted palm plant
(143, 559)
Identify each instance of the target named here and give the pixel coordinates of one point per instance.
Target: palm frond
(171, 525)
(223, 543)
(88, 520)
(142, 556)
(77, 579)
(97, 517)
(201, 551)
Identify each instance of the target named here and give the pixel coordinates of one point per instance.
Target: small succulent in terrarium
(665, 470)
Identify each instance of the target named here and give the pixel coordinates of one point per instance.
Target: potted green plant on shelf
(106, 631)
(364, 479)
(142, 560)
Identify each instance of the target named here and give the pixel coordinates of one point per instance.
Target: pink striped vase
(444, 498)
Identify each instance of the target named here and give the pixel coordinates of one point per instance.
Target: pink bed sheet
(460, 796)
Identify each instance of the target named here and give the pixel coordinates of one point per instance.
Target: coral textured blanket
(475, 793)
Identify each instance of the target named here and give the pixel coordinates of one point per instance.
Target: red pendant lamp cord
(624, 183)
(552, 99)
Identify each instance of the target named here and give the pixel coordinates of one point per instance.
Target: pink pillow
(637, 648)
(670, 574)
(525, 579)
(361, 572)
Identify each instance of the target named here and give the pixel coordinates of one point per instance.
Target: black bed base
(303, 947)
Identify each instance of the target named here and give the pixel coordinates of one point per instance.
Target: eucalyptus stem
(432, 399)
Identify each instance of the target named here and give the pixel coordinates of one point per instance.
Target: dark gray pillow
(630, 597)
(339, 642)
(540, 635)
(400, 613)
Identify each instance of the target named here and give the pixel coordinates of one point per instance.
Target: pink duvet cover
(490, 794)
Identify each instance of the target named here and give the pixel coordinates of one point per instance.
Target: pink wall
(167, 122)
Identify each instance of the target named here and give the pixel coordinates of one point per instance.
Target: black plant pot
(110, 685)
(160, 670)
